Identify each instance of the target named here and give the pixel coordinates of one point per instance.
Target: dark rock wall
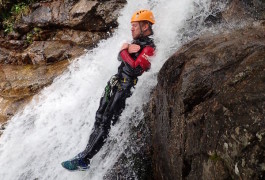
(78, 24)
(207, 111)
(238, 11)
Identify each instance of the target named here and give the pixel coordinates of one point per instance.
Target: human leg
(101, 130)
(112, 110)
(98, 135)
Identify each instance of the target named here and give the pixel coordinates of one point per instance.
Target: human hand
(124, 46)
(133, 48)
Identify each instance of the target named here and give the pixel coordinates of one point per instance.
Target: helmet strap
(150, 28)
(142, 33)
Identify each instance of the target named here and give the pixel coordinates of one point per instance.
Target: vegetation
(17, 11)
(214, 157)
(34, 33)
(11, 12)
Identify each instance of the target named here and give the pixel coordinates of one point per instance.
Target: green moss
(17, 11)
(8, 26)
(11, 11)
(37, 30)
(214, 157)
(29, 38)
(33, 35)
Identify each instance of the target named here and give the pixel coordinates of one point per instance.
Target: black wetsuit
(112, 102)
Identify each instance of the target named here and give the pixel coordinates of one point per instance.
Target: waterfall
(56, 125)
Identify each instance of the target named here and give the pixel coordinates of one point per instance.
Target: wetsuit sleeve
(142, 59)
(119, 57)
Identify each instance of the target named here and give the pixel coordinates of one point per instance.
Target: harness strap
(124, 80)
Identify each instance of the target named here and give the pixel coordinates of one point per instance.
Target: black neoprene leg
(101, 129)
(95, 142)
(114, 109)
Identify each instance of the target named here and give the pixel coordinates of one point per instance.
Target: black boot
(76, 163)
(96, 141)
(82, 160)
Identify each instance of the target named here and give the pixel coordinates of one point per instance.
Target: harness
(124, 80)
(115, 83)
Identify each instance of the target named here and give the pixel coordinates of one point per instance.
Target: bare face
(137, 27)
(136, 30)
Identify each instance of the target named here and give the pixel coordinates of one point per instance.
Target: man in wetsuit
(134, 59)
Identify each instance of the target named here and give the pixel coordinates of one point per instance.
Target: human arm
(142, 59)
(132, 48)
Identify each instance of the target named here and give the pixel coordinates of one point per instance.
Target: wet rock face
(136, 160)
(45, 41)
(79, 24)
(40, 53)
(19, 83)
(236, 11)
(208, 109)
(82, 15)
(255, 7)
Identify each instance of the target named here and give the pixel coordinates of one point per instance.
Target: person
(135, 60)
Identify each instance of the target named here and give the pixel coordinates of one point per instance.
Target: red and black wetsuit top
(133, 65)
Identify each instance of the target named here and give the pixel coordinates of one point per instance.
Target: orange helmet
(143, 15)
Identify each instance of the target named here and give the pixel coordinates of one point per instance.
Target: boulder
(40, 53)
(45, 52)
(81, 38)
(17, 45)
(82, 15)
(19, 83)
(238, 11)
(207, 111)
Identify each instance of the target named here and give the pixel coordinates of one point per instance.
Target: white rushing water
(56, 125)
